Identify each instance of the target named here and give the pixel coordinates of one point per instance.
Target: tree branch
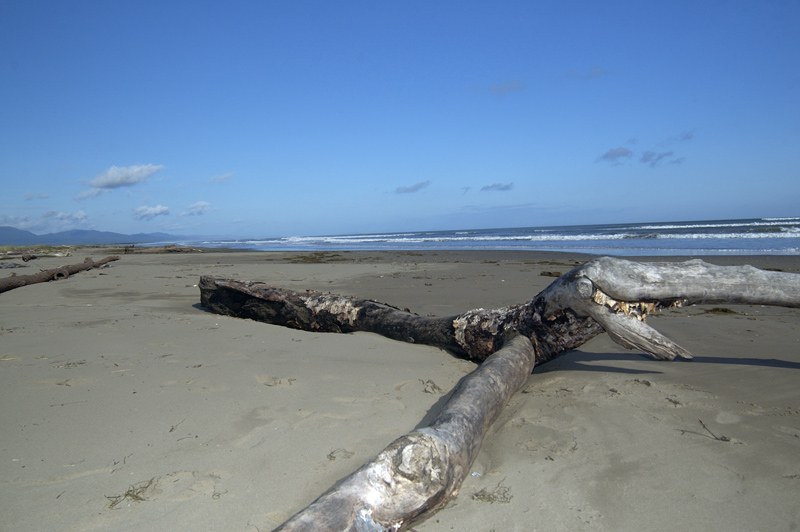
(419, 472)
(15, 281)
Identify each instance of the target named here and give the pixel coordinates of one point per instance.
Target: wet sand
(127, 406)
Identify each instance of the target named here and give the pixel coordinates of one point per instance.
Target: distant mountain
(10, 236)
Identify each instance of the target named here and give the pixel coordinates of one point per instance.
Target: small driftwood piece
(419, 472)
(170, 248)
(54, 274)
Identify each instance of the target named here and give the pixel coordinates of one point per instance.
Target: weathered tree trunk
(474, 335)
(605, 294)
(15, 281)
(417, 473)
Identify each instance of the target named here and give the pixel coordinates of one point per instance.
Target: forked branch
(416, 474)
(618, 294)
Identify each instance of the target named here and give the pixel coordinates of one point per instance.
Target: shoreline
(116, 378)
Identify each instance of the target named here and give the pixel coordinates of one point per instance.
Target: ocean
(762, 236)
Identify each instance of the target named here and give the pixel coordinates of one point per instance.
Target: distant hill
(11, 236)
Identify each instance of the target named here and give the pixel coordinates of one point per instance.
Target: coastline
(116, 377)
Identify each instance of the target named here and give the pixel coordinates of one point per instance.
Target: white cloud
(222, 178)
(124, 176)
(413, 188)
(148, 213)
(117, 177)
(197, 209)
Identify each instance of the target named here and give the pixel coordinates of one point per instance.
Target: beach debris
(499, 494)
(15, 281)
(419, 472)
(548, 273)
(428, 386)
(139, 492)
(170, 248)
(718, 438)
(31, 254)
(340, 453)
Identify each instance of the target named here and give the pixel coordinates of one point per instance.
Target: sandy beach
(126, 406)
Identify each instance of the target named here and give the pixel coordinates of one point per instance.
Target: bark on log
(418, 473)
(605, 294)
(474, 335)
(16, 281)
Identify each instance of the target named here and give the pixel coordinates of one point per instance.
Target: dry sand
(127, 406)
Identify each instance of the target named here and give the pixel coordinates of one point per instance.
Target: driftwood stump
(417, 473)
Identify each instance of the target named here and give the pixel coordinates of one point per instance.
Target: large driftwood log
(417, 473)
(15, 281)
(606, 294)
(475, 335)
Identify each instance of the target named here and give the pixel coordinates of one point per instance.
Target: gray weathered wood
(16, 281)
(419, 472)
(618, 294)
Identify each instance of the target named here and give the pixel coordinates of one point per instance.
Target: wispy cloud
(197, 209)
(117, 177)
(616, 155)
(595, 73)
(24, 222)
(499, 187)
(67, 218)
(684, 136)
(654, 159)
(91, 193)
(148, 213)
(222, 178)
(413, 188)
(506, 87)
(50, 221)
(30, 196)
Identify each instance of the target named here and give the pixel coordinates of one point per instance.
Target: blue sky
(260, 119)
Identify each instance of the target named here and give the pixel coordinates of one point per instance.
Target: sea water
(762, 236)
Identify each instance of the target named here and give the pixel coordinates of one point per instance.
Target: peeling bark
(15, 281)
(474, 335)
(419, 472)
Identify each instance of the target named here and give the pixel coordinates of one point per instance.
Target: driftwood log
(15, 281)
(417, 473)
